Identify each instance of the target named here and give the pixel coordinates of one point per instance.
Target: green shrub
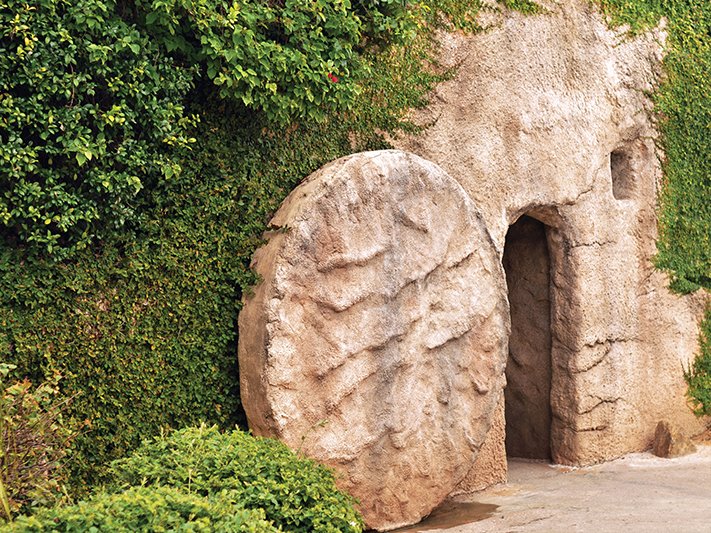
(146, 509)
(296, 494)
(34, 440)
(290, 59)
(144, 329)
(698, 377)
(142, 325)
(90, 113)
(92, 93)
(524, 6)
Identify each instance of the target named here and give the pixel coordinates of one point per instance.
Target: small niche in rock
(621, 171)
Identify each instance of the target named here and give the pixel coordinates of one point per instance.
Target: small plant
(296, 494)
(698, 376)
(33, 442)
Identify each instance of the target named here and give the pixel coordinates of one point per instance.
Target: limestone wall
(549, 117)
(378, 340)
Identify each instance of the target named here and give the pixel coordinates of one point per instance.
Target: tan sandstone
(548, 117)
(670, 441)
(377, 341)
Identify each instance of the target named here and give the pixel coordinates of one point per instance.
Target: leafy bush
(144, 328)
(90, 113)
(698, 377)
(143, 323)
(290, 59)
(296, 494)
(33, 441)
(146, 509)
(293, 60)
(92, 93)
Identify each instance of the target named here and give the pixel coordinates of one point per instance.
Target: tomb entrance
(528, 370)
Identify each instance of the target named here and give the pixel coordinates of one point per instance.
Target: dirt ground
(637, 493)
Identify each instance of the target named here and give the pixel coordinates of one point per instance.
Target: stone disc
(376, 340)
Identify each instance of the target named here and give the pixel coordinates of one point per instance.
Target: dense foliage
(199, 479)
(296, 494)
(144, 330)
(90, 111)
(684, 106)
(289, 59)
(142, 322)
(92, 93)
(34, 440)
(698, 377)
(142, 509)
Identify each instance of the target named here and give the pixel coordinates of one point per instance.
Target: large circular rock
(376, 341)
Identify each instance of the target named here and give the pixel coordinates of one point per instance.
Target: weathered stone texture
(670, 441)
(377, 341)
(489, 467)
(549, 116)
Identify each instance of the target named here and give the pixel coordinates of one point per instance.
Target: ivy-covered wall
(142, 326)
(144, 148)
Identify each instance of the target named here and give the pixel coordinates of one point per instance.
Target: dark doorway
(528, 370)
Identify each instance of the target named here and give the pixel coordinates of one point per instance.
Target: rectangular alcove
(622, 174)
(528, 370)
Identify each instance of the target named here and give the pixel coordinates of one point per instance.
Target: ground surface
(639, 492)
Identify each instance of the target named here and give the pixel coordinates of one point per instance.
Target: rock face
(670, 441)
(487, 467)
(548, 116)
(377, 341)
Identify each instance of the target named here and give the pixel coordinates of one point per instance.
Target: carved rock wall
(548, 116)
(377, 342)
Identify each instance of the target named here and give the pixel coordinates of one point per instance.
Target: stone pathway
(637, 493)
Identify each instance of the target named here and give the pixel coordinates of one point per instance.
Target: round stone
(377, 339)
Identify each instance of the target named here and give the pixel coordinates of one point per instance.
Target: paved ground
(638, 493)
